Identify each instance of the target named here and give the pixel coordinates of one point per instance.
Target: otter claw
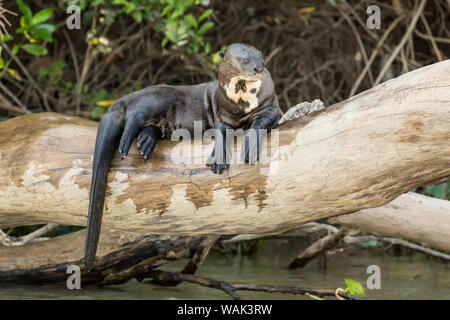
(216, 167)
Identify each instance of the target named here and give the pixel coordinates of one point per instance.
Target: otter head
(241, 62)
(240, 71)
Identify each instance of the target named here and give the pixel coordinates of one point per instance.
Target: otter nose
(259, 69)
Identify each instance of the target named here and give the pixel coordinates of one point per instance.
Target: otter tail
(108, 137)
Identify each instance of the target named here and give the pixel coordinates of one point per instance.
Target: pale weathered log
(411, 216)
(358, 154)
(404, 243)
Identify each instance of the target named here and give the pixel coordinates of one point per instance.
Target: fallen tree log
(411, 216)
(47, 261)
(360, 153)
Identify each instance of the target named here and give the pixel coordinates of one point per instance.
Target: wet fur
(155, 112)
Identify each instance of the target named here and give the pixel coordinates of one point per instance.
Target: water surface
(408, 276)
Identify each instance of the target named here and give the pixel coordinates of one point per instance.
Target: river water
(404, 276)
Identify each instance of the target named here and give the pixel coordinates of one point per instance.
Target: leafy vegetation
(182, 24)
(354, 287)
(34, 31)
(174, 18)
(441, 191)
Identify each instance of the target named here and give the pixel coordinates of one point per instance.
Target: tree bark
(360, 153)
(317, 248)
(47, 261)
(411, 216)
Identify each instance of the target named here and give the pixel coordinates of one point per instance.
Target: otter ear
(221, 54)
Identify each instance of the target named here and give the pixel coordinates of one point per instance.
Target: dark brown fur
(155, 112)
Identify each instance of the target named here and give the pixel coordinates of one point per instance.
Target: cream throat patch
(246, 92)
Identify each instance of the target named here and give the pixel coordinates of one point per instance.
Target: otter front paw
(250, 150)
(219, 168)
(146, 142)
(216, 165)
(125, 144)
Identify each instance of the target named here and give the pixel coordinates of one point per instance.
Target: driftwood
(231, 288)
(358, 154)
(317, 248)
(401, 242)
(411, 216)
(47, 262)
(7, 240)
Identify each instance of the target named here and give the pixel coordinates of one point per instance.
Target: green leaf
(42, 73)
(166, 10)
(90, 15)
(6, 38)
(215, 58)
(189, 19)
(130, 8)
(35, 49)
(207, 48)
(16, 49)
(194, 46)
(20, 30)
(205, 15)
(137, 16)
(23, 24)
(175, 14)
(25, 10)
(103, 94)
(41, 16)
(313, 296)
(2, 63)
(438, 191)
(98, 111)
(259, 245)
(205, 27)
(354, 287)
(56, 70)
(57, 66)
(43, 31)
(164, 42)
